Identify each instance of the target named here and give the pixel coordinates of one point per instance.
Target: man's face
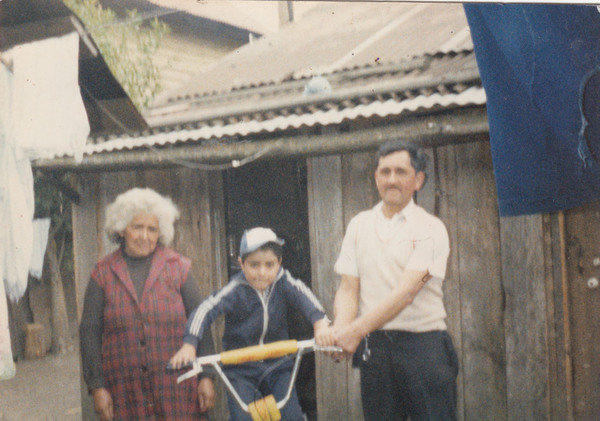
(260, 268)
(397, 180)
(141, 235)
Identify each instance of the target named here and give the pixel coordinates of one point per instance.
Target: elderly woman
(135, 309)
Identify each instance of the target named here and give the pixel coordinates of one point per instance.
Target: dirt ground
(46, 389)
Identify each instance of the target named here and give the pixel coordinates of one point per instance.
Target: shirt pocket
(399, 252)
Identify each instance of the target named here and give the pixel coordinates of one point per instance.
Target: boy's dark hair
(418, 159)
(271, 245)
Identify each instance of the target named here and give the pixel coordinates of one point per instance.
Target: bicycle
(266, 408)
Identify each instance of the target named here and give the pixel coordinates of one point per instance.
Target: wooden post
(60, 320)
(477, 245)
(525, 324)
(34, 341)
(582, 318)
(86, 248)
(326, 230)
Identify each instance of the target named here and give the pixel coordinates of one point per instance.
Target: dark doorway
(273, 194)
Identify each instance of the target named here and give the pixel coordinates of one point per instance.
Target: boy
(255, 304)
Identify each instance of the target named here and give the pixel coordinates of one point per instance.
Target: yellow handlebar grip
(259, 352)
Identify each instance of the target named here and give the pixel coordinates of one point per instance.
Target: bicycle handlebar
(259, 352)
(254, 353)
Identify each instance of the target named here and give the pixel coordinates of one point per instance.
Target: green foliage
(51, 202)
(127, 46)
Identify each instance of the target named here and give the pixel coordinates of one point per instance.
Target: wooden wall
(199, 233)
(505, 293)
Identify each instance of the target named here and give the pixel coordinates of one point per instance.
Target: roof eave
(459, 125)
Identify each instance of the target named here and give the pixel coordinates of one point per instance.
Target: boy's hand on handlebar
(325, 336)
(186, 354)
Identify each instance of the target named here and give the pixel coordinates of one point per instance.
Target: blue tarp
(535, 62)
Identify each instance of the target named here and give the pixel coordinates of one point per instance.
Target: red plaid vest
(140, 335)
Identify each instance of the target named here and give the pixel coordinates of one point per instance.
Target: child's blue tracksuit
(253, 318)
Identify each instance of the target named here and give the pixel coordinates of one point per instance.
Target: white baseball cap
(255, 238)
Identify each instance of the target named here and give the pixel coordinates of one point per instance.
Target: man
(392, 264)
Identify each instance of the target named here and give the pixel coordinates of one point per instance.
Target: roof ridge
(367, 69)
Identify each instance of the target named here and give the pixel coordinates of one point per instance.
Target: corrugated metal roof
(407, 79)
(471, 96)
(332, 37)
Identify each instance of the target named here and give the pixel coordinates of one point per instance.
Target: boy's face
(260, 268)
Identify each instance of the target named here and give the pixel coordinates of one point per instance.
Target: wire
(108, 113)
(214, 167)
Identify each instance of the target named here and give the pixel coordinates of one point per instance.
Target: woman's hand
(185, 354)
(206, 394)
(103, 404)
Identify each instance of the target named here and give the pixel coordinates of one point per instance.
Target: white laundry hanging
(41, 115)
(41, 227)
(48, 115)
(7, 365)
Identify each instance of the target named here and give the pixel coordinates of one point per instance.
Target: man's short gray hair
(137, 200)
(418, 159)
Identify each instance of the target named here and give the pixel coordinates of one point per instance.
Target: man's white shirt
(377, 250)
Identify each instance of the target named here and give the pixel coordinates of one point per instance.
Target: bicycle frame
(266, 408)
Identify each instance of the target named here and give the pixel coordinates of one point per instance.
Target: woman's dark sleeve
(192, 297)
(90, 336)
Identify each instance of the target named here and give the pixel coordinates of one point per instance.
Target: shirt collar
(403, 215)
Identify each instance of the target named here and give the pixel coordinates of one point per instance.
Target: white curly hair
(128, 204)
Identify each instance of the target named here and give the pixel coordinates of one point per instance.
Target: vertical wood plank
(200, 237)
(426, 197)
(212, 229)
(523, 279)
(483, 349)
(448, 199)
(582, 226)
(559, 388)
(324, 178)
(86, 254)
(85, 234)
(359, 193)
